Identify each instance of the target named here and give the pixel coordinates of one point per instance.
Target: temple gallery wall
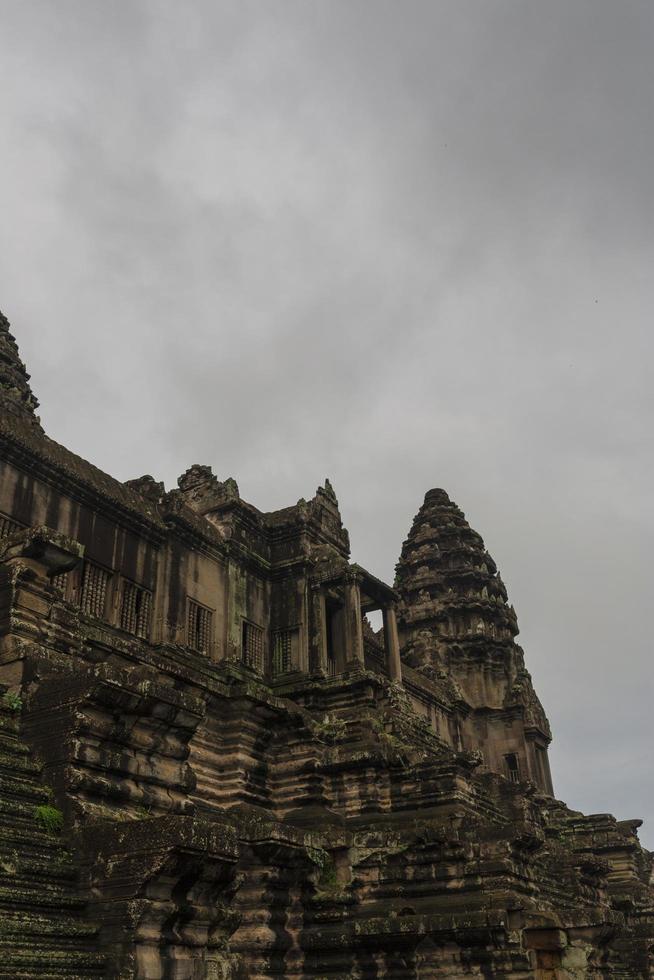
(212, 766)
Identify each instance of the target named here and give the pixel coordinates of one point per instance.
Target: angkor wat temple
(212, 766)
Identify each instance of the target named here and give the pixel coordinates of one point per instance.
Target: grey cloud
(404, 245)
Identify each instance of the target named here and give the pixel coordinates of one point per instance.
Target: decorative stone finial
(203, 490)
(16, 395)
(323, 509)
(196, 476)
(329, 491)
(437, 496)
(153, 490)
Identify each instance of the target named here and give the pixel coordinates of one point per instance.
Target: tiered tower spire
(456, 624)
(453, 599)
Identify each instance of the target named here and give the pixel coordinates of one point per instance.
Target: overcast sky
(404, 245)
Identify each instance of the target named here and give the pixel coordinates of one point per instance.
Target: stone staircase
(42, 930)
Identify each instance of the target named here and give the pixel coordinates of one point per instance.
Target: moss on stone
(50, 818)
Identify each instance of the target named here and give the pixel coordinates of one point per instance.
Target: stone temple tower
(456, 624)
(213, 768)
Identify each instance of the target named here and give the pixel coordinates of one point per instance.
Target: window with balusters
(93, 589)
(61, 581)
(513, 767)
(135, 610)
(282, 651)
(253, 647)
(199, 627)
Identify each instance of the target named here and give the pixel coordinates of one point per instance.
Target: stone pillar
(539, 764)
(392, 642)
(304, 643)
(547, 772)
(353, 622)
(319, 630)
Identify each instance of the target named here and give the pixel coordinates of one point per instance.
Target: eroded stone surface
(256, 784)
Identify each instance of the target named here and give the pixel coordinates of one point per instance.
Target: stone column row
(352, 631)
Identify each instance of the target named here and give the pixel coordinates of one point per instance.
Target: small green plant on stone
(50, 818)
(393, 749)
(12, 701)
(330, 729)
(328, 877)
